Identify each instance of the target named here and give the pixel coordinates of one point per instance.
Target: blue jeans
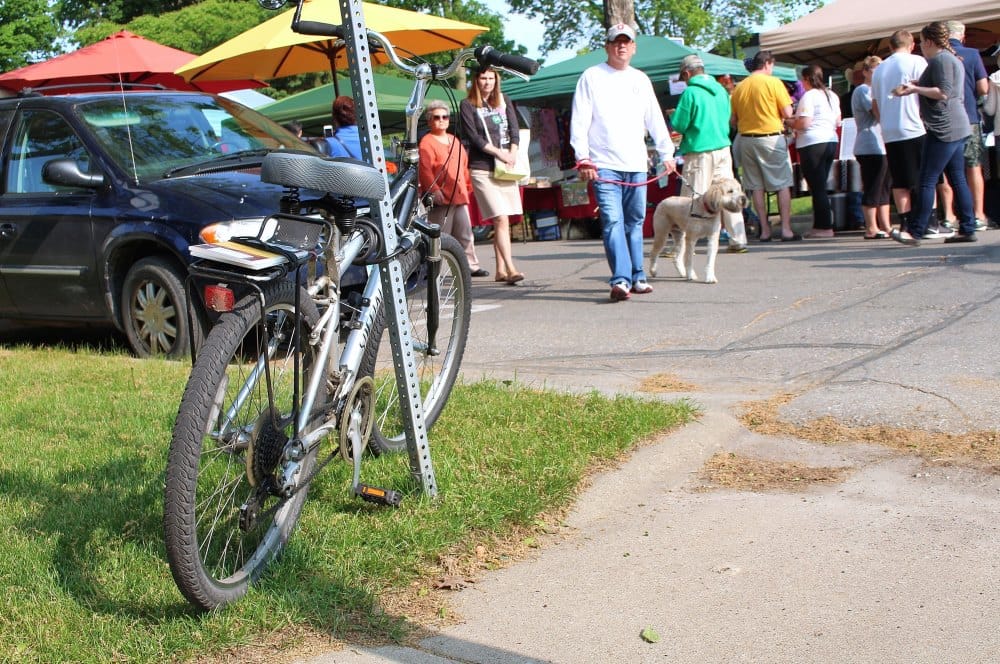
(935, 158)
(623, 211)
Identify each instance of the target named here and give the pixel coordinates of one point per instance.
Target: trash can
(838, 209)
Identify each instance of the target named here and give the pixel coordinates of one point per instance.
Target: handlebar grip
(318, 29)
(489, 56)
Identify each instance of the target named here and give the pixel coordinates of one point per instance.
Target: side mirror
(67, 173)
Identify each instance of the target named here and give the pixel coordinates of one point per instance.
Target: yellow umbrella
(272, 50)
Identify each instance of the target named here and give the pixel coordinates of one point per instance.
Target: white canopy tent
(845, 31)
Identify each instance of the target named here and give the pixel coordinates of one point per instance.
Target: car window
(39, 137)
(6, 115)
(150, 135)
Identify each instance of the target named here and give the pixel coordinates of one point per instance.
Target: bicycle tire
(436, 374)
(213, 558)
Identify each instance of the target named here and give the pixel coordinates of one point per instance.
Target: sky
(528, 32)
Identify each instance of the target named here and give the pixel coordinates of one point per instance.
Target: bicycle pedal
(379, 496)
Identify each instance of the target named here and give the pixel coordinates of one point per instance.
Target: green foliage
(28, 33)
(195, 29)
(76, 13)
(701, 23)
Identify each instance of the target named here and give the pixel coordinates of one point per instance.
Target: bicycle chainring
(357, 417)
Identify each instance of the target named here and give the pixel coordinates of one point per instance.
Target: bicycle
(294, 358)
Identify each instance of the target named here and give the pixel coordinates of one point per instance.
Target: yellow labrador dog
(688, 219)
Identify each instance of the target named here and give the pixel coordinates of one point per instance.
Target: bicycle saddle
(346, 177)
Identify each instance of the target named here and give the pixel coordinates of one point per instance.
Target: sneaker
(619, 292)
(961, 238)
(981, 225)
(950, 225)
(736, 249)
(938, 234)
(641, 288)
(723, 236)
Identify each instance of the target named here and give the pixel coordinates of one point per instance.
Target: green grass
(83, 569)
(802, 205)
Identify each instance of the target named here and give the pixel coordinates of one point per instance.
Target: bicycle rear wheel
(436, 372)
(223, 522)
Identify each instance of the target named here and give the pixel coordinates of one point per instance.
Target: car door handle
(7, 231)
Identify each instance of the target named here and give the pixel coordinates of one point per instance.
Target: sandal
(500, 277)
(795, 237)
(880, 235)
(514, 278)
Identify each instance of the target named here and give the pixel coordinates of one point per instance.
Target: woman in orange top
(443, 171)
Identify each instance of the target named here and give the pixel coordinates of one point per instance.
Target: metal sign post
(360, 65)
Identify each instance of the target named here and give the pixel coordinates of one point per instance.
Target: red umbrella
(121, 58)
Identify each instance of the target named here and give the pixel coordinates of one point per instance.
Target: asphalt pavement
(900, 562)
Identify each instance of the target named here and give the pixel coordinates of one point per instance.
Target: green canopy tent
(312, 108)
(659, 57)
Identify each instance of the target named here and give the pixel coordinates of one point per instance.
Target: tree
(700, 23)
(75, 13)
(195, 29)
(28, 33)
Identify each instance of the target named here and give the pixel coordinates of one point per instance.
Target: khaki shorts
(765, 163)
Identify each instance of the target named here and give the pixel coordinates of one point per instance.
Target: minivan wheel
(153, 310)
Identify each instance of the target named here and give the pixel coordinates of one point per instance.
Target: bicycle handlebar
(489, 56)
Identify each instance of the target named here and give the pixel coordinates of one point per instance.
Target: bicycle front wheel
(223, 518)
(437, 368)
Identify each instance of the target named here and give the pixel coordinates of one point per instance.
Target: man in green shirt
(702, 118)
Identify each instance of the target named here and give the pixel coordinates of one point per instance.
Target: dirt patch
(980, 449)
(425, 601)
(282, 647)
(658, 383)
(727, 470)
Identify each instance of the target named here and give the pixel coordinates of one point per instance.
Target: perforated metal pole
(393, 286)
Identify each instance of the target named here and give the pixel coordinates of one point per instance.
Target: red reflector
(219, 298)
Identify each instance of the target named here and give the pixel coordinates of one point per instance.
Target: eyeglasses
(439, 117)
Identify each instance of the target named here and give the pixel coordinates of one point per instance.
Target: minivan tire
(154, 313)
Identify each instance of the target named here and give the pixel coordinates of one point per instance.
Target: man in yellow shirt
(761, 106)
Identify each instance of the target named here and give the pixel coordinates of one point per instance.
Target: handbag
(500, 169)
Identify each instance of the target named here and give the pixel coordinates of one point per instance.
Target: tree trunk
(619, 11)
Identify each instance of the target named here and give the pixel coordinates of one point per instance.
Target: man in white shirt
(902, 129)
(613, 107)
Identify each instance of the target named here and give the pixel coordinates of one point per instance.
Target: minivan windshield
(150, 135)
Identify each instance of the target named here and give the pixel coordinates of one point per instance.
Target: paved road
(899, 563)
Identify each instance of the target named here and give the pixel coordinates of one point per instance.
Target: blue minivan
(102, 193)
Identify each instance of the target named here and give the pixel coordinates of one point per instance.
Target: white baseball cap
(619, 29)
